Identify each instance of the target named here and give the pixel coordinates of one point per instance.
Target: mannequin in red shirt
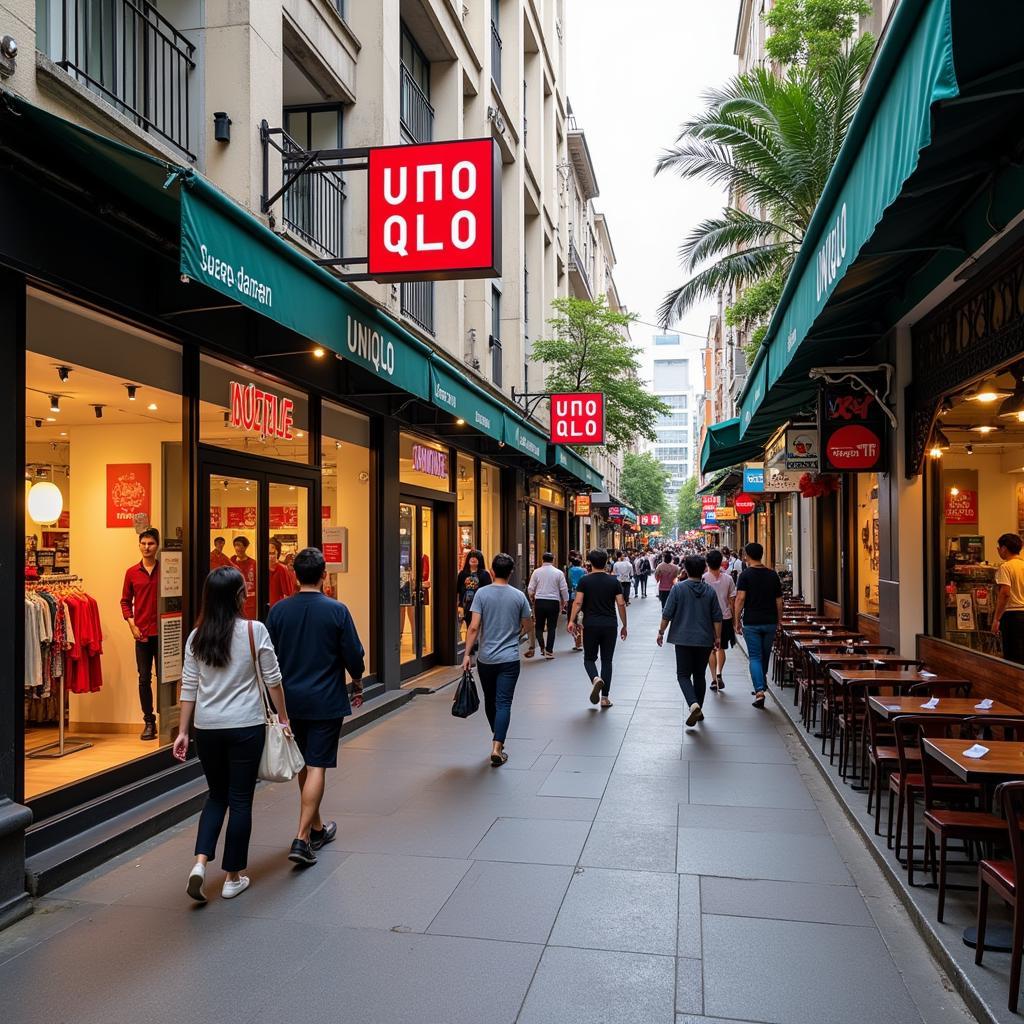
(282, 579)
(217, 557)
(247, 567)
(140, 598)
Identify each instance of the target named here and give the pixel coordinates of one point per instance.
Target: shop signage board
(778, 481)
(581, 505)
(434, 211)
(454, 396)
(524, 439)
(650, 519)
(430, 461)
(802, 449)
(170, 573)
(744, 504)
(129, 493)
(709, 501)
(335, 547)
(709, 520)
(577, 418)
(253, 409)
(961, 507)
(325, 512)
(725, 514)
(282, 516)
(853, 431)
(216, 518)
(753, 477)
(171, 635)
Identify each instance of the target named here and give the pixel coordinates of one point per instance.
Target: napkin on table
(933, 703)
(976, 751)
(984, 705)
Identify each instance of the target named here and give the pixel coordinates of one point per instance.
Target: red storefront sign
(650, 519)
(283, 515)
(577, 418)
(241, 517)
(853, 448)
(325, 511)
(744, 504)
(581, 505)
(961, 507)
(853, 428)
(129, 493)
(434, 211)
(216, 518)
(252, 408)
(709, 501)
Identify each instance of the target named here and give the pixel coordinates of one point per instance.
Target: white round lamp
(45, 502)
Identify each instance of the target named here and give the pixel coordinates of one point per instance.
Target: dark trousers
(230, 760)
(625, 591)
(642, 584)
(146, 652)
(545, 611)
(663, 596)
(1011, 629)
(599, 639)
(691, 668)
(499, 685)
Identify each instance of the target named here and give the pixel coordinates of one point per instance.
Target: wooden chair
(883, 759)
(946, 688)
(1005, 878)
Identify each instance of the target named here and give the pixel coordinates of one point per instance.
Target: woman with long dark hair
(471, 579)
(220, 696)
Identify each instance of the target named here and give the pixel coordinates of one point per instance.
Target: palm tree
(772, 141)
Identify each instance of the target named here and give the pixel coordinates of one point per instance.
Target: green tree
(753, 309)
(591, 351)
(688, 506)
(643, 482)
(771, 142)
(811, 33)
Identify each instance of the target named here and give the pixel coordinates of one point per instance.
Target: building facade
(183, 196)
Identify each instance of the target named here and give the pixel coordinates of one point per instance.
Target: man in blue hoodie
(695, 615)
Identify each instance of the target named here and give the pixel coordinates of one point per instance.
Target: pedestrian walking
(665, 576)
(599, 596)
(757, 615)
(549, 594)
(1008, 621)
(472, 577)
(694, 616)
(641, 571)
(576, 573)
(318, 644)
(623, 571)
(725, 587)
(500, 613)
(222, 703)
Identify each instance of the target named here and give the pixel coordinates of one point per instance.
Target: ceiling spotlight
(985, 428)
(986, 392)
(460, 422)
(337, 444)
(131, 389)
(299, 433)
(969, 449)
(151, 407)
(63, 433)
(51, 419)
(954, 491)
(98, 409)
(1014, 405)
(38, 422)
(318, 352)
(54, 403)
(64, 373)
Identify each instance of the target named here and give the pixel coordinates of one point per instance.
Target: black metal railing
(418, 303)
(416, 112)
(495, 54)
(314, 205)
(576, 260)
(133, 57)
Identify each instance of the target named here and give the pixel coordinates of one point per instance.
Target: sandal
(606, 703)
(721, 683)
(758, 701)
(528, 653)
(497, 760)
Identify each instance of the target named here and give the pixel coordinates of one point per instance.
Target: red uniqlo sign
(577, 418)
(434, 211)
(650, 519)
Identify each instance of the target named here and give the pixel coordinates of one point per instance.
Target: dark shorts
(318, 740)
(728, 634)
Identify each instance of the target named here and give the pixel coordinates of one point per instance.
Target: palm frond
(734, 230)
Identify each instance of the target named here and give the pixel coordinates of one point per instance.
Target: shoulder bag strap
(260, 684)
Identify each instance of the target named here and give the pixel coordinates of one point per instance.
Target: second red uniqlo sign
(577, 418)
(434, 211)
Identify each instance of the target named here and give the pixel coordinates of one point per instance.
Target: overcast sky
(636, 71)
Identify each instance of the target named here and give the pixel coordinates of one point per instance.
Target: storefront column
(14, 818)
(515, 500)
(384, 541)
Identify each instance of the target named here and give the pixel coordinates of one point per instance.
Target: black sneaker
(319, 839)
(302, 853)
(149, 732)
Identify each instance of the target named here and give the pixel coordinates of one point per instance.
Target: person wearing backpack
(641, 570)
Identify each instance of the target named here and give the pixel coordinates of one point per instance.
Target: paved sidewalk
(618, 869)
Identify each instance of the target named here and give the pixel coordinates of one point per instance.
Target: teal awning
(567, 459)
(929, 170)
(521, 437)
(723, 446)
(465, 401)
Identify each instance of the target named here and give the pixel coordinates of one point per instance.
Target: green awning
(927, 173)
(723, 446)
(567, 459)
(524, 439)
(465, 401)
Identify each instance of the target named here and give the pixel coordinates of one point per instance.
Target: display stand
(64, 744)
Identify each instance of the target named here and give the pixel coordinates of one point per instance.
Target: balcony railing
(314, 205)
(418, 303)
(133, 57)
(416, 112)
(577, 264)
(495, 55)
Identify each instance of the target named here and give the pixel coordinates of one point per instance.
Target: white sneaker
(695, 716)
(195, 883)
(233, 889)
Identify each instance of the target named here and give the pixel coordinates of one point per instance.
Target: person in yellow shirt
(1008, 621)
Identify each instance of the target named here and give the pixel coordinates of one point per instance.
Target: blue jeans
(499, 685)
(759, 650)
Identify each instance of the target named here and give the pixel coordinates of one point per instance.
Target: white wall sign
(170, 647)
(170, 574)
(781, 480)
(335, 547)
(964, 612)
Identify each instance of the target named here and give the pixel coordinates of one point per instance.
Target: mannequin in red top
(282, 579)
(247, 567)
(217, 557)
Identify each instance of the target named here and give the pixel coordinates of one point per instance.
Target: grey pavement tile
(784, 901)
(689, 986)
(388, 978)
(752, 819)
(629, 911)
(688, 943)
(689, 1018)
(533, 841)
(583, 763)
(663, 763)
(618, 844)
(584, 986)
(792, 858)
(387, 892)
(664, 734)
(585, 784)
(545, 763)
(746, 753)
(515, 902)
(420, 833)
(49, 916)
(598, 745)
(643, 799)
(789, 972)
(762, 785)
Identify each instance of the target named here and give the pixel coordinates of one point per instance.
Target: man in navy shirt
(316, 643)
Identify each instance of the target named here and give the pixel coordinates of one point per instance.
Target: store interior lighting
(63, 374)
(54, 403)
(986, 392)
(131, 389)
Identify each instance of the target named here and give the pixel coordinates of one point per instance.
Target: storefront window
(345, 514)
(465, 489)
(867, 543)
(785, 538)
(550, 495)
(103, 457)
(490, 510)
(244, 412)
(423, 463)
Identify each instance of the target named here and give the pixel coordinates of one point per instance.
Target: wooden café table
(948, 707)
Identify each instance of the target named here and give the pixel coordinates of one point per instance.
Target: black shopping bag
(466, 698)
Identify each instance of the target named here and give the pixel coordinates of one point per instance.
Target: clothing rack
(64, 744)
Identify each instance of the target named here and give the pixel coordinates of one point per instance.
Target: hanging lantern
(45, 502)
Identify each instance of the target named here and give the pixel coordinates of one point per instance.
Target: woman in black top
(471, 579)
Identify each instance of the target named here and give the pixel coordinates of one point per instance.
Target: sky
(636, 71)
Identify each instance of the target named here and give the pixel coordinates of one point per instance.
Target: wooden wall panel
(868, 625)
(831, 608)
(989, 676)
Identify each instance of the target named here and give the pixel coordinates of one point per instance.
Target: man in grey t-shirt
(500, 614)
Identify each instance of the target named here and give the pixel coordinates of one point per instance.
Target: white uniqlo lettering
(421, 176)
(422, 245)
(464, 169)
(469, 239)
(390, 197)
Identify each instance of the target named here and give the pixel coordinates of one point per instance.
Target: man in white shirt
(623, 572)
(549, 594)
(722, 583)
(1008, 621)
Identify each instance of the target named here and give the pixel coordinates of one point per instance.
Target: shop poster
(170, 573)
(170, 646)
(129, 493)
(961, 508)
(282, 516)
(965, 612)
(216, 518)
(241, 517)
(336, 548)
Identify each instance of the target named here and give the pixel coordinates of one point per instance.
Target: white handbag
(281, 760)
